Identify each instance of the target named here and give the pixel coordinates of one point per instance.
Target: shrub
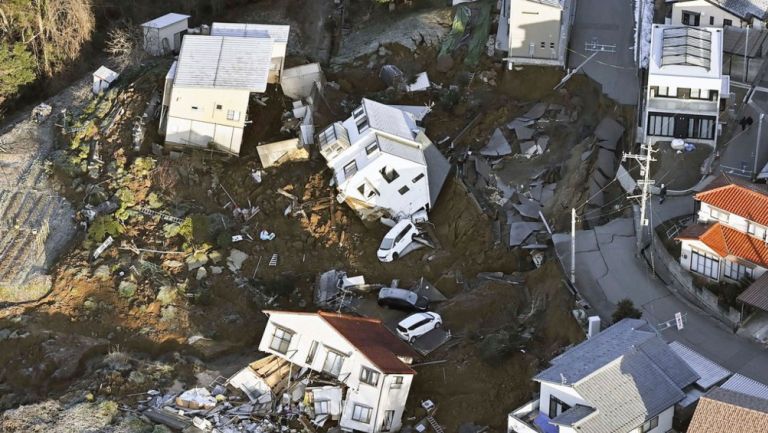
(103, 226)
(626, 309)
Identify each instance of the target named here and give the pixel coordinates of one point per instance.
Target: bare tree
(123, 44)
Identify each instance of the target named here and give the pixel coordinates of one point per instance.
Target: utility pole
(757, 145)
(573, 246)
(645, 170)
(746, 44)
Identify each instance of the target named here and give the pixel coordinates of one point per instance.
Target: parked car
(395, 241)
(401, 299)
(418, 324)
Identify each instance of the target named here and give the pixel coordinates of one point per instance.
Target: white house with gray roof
(535, 32)
(278, 33)
(719, 13)
(625, 379)
(383, 162)
(208, 89)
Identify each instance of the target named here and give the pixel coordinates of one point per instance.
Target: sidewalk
(607, 270)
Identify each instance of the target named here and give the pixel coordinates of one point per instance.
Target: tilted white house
(720, 13)
(622, 380)
(163, 35)
(729, 240)
(535, 32)
(383, 162)
(685, 84)
(207, 91)
(360, 353)
(278, 34)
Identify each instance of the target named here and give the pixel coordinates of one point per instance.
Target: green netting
(471, 26)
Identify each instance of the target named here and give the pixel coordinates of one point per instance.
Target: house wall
(308, 328)
(706, 10)
(278, 62)
(190, 126)
(153, 38)
(686, 245)
(565, 393)
(533, 23)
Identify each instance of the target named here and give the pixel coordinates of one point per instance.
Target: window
(711, 21)
(756, 230)
(333, 363)
(322, 407)
(397, 382)
(366, 190)
(718, 214)
(233, 115)
(371, 377)
(281, 339)
(552, 45)
(373, 147)
(361, 413)
(556, 406)
(543, 44)
(350, 169)
(312, 351)
(701, 127)
(386, 423)
(650, 424)
(194, 107)
(389, 174)
(727, 23)
(691, 18)
(705, 264)
(700, 94)
(218, 107)
(361, 119)
(418, 178)
(662, 125)
(736, 271)
(661, 91)
(403, 190)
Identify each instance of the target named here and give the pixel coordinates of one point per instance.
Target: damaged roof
(438, 168)
(373, 340)
(224, 62)
(390, 120)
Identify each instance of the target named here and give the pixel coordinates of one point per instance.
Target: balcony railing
(521, 419)
(698, 106)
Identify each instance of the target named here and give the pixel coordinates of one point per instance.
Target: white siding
(153, 38)
(564, 393)
(707, 10)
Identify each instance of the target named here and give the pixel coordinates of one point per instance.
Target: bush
(626, 309)
(194, 229)
(17, 68)
(103, 226)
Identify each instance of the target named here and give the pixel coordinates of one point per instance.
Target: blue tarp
(542, 421)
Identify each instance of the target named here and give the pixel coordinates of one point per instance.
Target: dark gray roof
(591, 355)
(738, 399)
(437, 171)
(735, 40)
(626, 393)
(572, 415)
(756, 294)
(744, 8)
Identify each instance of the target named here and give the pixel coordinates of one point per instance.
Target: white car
(395, 241)
(417, 325)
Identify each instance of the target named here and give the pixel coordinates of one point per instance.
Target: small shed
(103, 78)
(163, 35)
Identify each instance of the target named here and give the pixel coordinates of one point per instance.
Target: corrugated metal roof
(756, 294)
(710, 373)
(735, 40)
(725, 411)
(279, 33)
(165, 20)
(224, 61)
(745, 385)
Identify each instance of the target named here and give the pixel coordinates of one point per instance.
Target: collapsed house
(357, 371)
(383, 162)
(208, 89)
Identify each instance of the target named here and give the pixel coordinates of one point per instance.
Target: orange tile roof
(725, 411)
(747, 200)
(726, 241)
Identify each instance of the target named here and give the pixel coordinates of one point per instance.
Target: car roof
(413, 318)
(392, 292)
(395, 230)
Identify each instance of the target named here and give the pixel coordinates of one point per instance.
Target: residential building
(278, 34)
(625, 379)
(685, 84)
(360, 353)
(208, 90)
(719, 13)
(726, 411)
(383, 162)
(163, 35)
(728, 242)
(535, 32)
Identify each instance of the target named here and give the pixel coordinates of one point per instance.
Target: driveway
(611, 23)
(738, 155)
(607, 270)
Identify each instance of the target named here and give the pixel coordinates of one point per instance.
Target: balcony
(695, 106)
(521, 419)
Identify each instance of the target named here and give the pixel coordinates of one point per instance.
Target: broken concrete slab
(482, 168)
(535, 191)
(518, 122)
(528, 148)
(609, 130)
(536, 111)
(297, 82)
(542, 142)
(528, 208)
(606, 163)
(497, 145)
(524, 132)
(548, 193)
(276, 153)
(420, 83)
(520, 231)
(586, 154)
(236, 259)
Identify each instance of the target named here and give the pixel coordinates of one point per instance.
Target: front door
(681, 126)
